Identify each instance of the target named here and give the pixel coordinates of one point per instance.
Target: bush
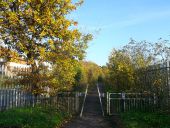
(145, 120)
(37, 117)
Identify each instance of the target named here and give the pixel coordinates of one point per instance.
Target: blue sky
(114, 22)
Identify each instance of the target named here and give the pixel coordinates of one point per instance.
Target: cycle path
(92, 114)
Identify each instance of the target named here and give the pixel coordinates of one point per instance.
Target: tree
(8, 55)
(141, 53)
(128, 66)
(90, 72)
(40, 31)
(145, 53)
(162, 50)
(121, 70)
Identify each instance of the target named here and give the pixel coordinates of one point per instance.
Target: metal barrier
(15, 98)
(121, 102)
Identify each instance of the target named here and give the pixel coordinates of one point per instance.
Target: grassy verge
(145, 120)
(37, 117)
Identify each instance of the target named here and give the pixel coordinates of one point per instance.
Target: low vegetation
(145, 120)
(37, 117)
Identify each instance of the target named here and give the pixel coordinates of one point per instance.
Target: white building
(2, 66)
(10, 68)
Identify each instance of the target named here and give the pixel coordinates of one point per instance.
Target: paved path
(92, 114)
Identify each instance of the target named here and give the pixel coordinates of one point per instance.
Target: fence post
(68, 103)
(107, 102)
(123, 102)
(168, 82)
(154, 96)
(16, 98)
(1, 98)
(77, 102)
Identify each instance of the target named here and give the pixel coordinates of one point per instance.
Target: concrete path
(92, 114)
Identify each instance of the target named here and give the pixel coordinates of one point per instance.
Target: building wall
(10, 68)
(2, 66)
(13, 68)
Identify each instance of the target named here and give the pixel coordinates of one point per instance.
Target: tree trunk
(34, 81)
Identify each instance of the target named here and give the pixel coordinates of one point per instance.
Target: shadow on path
(92, 114)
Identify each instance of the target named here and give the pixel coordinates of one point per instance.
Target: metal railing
(121, 102)
(16, 98)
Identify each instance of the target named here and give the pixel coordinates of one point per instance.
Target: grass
(37, 117)
(145, 120)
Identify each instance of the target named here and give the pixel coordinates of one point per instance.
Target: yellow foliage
(40, 30)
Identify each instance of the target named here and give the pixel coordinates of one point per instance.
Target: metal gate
(121, 102)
